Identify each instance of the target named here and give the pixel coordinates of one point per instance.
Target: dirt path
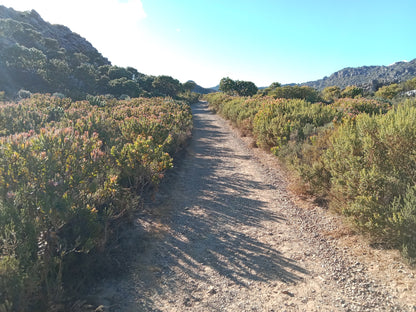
(226, 236)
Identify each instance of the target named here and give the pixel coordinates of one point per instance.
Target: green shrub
(282, 120)
(308, 161)
(372, 164)
(388, 92)
(352, 92)
(189, 97)
(409, 84)
(217, 100)
(31, 114)
(53, 192)
(296, 92)
(403, 222)
(332, 93)
(241, 111)
(357, 153)
(96, 100)
(353, 107)
(67, 172)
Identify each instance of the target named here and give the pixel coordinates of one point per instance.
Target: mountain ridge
(368, 77)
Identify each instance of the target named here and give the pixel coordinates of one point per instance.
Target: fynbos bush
(372, 165)
(67, 171)
(357, 153)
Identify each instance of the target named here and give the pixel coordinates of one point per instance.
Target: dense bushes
(371, 162)
(38, 57)
(33, 62)
(296, 92)
(238, 87)
(282, 120)
(358, 153)
(67, 172)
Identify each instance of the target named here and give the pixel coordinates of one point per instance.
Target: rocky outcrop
(369, 77)
(32, 22)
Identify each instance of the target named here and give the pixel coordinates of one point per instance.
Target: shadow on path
(213, 202)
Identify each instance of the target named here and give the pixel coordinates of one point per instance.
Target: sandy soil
(225, 234)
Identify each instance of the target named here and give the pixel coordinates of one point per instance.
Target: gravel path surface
(223, 234)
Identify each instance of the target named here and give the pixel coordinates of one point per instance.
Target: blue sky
(259, 40)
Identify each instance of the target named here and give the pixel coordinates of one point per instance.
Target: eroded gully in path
(225, 236)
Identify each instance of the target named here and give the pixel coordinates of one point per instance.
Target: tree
(266, 91)
(167, 85)
(227, 85)
(189, 85)
(245, 88)
(275, 85)
(238, 87)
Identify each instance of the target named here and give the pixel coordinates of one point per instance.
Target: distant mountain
(369, 77)
(202, 90)
(216, 88)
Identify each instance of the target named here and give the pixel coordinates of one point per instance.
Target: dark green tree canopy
(238, 87)
(227, 85)
(245, 88)
(189, 85)
(275, 85)
(167, 85)
(119, 72)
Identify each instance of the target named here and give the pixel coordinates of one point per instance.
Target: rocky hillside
(40, 57)
(370, 77)
(30, 30)
(202, 90)
(37, 56)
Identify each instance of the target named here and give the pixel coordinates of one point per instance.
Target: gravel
(224, 234)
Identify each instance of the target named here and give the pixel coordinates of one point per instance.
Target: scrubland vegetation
(356, 153)
(74, 166)
(69, 172)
